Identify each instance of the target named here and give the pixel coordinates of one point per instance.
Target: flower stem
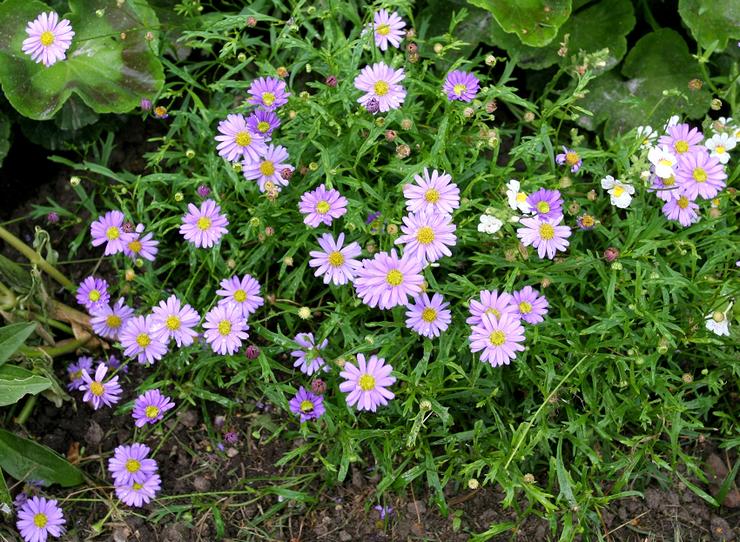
(35, 258)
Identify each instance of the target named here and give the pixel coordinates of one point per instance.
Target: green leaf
(25, 459)
(4, 137)
(110, 64)
(536, 22)
(16, 382)
(12, 338)
(712, 24)
(4, 493)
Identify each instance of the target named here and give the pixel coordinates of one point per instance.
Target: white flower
(517, 198)
(719, 145)
(620, 193)
(489, 224)
(647, 135)
(672, 121)
(663, 160)
(725, 121)
(718, 323)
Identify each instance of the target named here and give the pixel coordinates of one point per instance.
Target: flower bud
(392, 229)
(52, 218)
(288, 261)
(491, 106)
(529, 478)
(390, 135)
(254, 221)
(304, 313)
(591, 195)
(695, 84)
(231, 263)
(74, 180)
(145, 104)
(410, 34)
(269, 231)
(403, 151)
(149, 36)
(318, 386)
(473, 484)
(241, 57)
(313, 166)
(438, 48)
(330, 81)
(129, 274)
(251, 22)
(292, 114)
(252, 352)
(425, 405)
(412, 48)
(179, 196)
(286, 173)
(611, 254)
(407, 124)
(687, 378)
(490, 60)
(203, 191)
(528, 116)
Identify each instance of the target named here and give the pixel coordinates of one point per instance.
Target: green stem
(35, 258)
(48, 321)
(26, 412)
(54, 351)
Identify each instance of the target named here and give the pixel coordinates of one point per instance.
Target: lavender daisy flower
(322, 205)
(699, 174)
(136, 245)
(586, 222)
(263, 123)
(242, 293)
(108, 321)
(383, 511)
(388, 28)
(268, 168)
(130, 464)
(140, 339)
(138, 494)
(381, 83)
(367, 383)
(172, 320)
(93, 293)
(427, 236)
(20, 500)
(530, 305)
(150, 407)
(545, 235)
(435, 194)
(387, 280)
(569, 157)
(236, 141)
(74, 371)
(682, 138)
(460, 85)
(498, 338)
(666, 189)
(490, 302)
(115, 365)
(681, 209)
(268, 92)
(38, 518)
(225, 328)
(97, 392)
(307, 405)
(108, 229)
(308, 358)
(48, 39)
(336, 264)
(204, 226)
(428, 317)
(546, 204)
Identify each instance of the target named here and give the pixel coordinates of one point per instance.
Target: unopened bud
(179, 196)
(591, 195)
(251, 22)
(330, 81)
(490, 60)
(318, 386)
(473, 484)
(407, 124)
(252, 352)
(269, 231)
(412, 48)
(687, 378)
(390, 135)
(611, 254)
(74, 180)
(528, 116)
(129, 274)
(438, 48)
(403, 151)
(695, 84)
(392, 229)
(286, 173)
(231, 263)
(529, 478)
(491, 106)
(313, 166)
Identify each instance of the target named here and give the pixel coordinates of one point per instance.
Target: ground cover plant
(370, 271)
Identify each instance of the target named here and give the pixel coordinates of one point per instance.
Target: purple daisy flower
(428, 317)
(242, 293)
(48, 39)
(138, 494)
(150, 407)
(367, 383)
(335, 263)
(427, 236)
(322, 205)
(204, 226)
(666, 189)
(308, 358)
(93, 293)
(115, 365)
(383, 511)
(530, 305)
(108, 321)
(38, 518)
(682, 139)
(381, 83)
(130, 464)
(307, 405)
(263, 123)
(435, 194)
(545, 235)
(268, 92)
(681, 209)
(236, 141)
(74, 371)
(490, 302)
(388, 28)
(570, 158)
(546, 204)
(225, 328)
(136, 245)
(268, 168)
(387, 280)
(109, 229)
(700, 175)
(460, 85)
(172, 320)
(498, 338)
(140, 339)
(97, 392)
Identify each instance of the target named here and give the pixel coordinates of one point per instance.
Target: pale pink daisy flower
(545, 235)
(243, 293)
(136, 245)
(225, 329)
(308, 358)
(432, 193)
(681, 209)
(204, 226)
(427, 236)
(700, 175)
(109, 229)
(138, 494)
(336, 263)
(268, 168)
(172, 320)
(499, 339)
(48, 39)
(107, 321)
(367, 384)
(141, 340)
(387, 280)
(388, 28)
(237, 141)
(97, 392)
(322, 206)
(428, 317)
(530, 305)
(381, 83)
(490, 302)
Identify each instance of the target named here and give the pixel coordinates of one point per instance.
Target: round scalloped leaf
(536, 22)
(711, 22)
(110, 64)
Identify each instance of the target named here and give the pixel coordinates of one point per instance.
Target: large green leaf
(5, 498)
(12, 338)
(536, 22)
(711, 22)
(16, 382)
(110, 65)
(25, 459)
(4, 137)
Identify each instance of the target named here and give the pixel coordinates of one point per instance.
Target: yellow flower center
(137, 486)
(47, 38)
(263, 126)
(224, 327)
(664, 162)
(571, 158)
(76, 375)
(135, 246)
(97, 389)
(719, 149)
(700, 175)
(133, 466)
(547, 232)
(683, 202)
(113, 321)
(160, 110)
(323, 207)
(267, 168)
(203, 223)
(543, 207)
(112, 233)
(394, 277)
(681, 146)
(429, 315)
(495, 312)
(243, 139)
(525, 308)
(497, 338)
(381, 88)
(718, 316)
(268, 98)
(172, 322)
(143, 340)
(336, 259)
(240, 296)
(670, 181)
(367, 382)
(587, 221)
(40, 520)
(306, 406)
(431, 196)
(521, 197)
(618, 191)
(94, 295)
(425, 235)
(459, 89)
(383, 29)
(151, 411)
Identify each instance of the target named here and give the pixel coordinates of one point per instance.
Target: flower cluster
(135, 477)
